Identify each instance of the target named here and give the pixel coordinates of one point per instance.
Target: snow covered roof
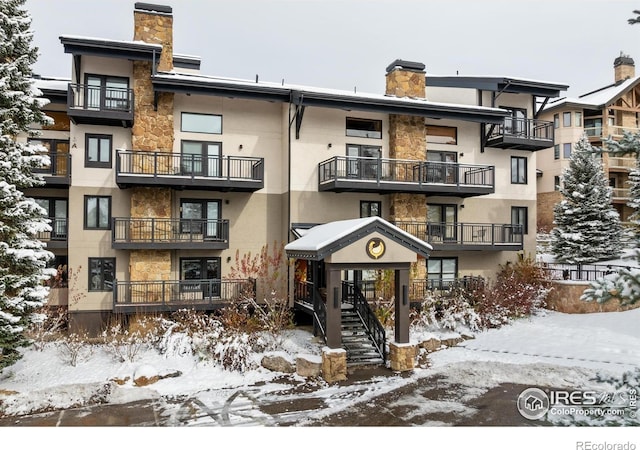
(323, 240)
(498, 83)
(315, 96)
(595, 99)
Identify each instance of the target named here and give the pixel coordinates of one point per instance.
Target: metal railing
(621, 193)
(167, 164)
(59, 165)
(374, 328)
(580, 272)
(378, 170)
(464, 233)
(524, 128)
(58, 231)
(176, 293)
(622, 163)
(100, 98)
(154, 230)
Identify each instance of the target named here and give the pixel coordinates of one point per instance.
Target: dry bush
(75, 347)
(53, 322)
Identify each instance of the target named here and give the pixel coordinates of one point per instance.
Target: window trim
(525, 225)
(182, 114)
(515, 176)
(86, 209)
(355, 132)
(566, 123)
(442, 127)
(98, 164)
(369, 203)
(90, 276)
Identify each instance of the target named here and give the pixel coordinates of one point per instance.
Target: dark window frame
(363, 132)
(185, 227)
(520, 175)
(97, 274)
(556, 151)
(515, 214)
(556, 121)
(182, 129)
(104, 97)
(556, 183)
(86, 212)
(368, 204)
(203, 164)
(440, 273)
(98, 164)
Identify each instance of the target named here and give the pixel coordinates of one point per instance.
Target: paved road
(428, 401)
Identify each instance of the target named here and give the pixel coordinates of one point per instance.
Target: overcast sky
(348, 44)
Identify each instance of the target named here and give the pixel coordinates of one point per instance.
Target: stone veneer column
(407, 140)
(152, 132)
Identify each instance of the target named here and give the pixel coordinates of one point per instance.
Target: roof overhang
(499, 84)
(132, 50)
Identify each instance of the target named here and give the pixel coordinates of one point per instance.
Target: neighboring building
(161, 174)
(602, 113)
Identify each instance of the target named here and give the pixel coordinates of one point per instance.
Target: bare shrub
(75, 347)
(52, 322)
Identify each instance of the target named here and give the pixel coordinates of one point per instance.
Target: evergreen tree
(588, 228)
(625, 284)
(23, 259)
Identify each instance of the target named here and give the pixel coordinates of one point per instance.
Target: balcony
(98, 105)
(169, 234)
(620, 195)
(598, 132)
(131, 297)
(175, 170)
(58, 173)
(621, 164)
(363, 174)
(466, 236)
(521, 134)
(57, 237)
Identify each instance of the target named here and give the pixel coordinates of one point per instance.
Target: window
(362, 161)
(97, 150)
(58, 151)
(556, 121)
(105, 92)
(201, 123)
(367, 128)
(556, 183)
(519, 216)
(517, 123)
(442, 135)
(518, 170)
(56, 209)
(593, 127)
(370, 209)
(566, 119)
(201, 158)
(441, 222)
(97, 212)
(566, 150)
(556, 151)
(206, 271)
(201, 217)
(442, 272)
(101, 274)
(578, 119)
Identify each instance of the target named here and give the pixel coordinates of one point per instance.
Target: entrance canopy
(365, 241)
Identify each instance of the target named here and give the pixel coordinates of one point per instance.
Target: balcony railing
(601, 131)
(621, 194)
(466, 236)
(169, 234)
(626, 164)
(57, 237)
(171, 295)
(521, 134)
(182, 171)
(363, 174)
(100, 105)
(58, 173)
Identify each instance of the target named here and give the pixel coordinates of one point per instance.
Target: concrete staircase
(356, 341)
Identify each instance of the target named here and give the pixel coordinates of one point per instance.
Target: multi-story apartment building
(160, 174)
(603, 113)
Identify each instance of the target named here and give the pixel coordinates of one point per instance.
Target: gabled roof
(499, 84)
(597, 99)
(323, 240)
(321, 97)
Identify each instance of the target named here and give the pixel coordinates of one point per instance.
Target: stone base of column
(402, 357)
(334, 364)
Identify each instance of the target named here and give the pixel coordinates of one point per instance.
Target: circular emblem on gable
(375, 248)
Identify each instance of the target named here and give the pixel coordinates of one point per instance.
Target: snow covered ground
(547, 350)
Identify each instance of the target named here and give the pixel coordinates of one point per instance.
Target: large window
(441, 221)
(362, 161)
(58, 151)
(201, 158)
(566, 119)
(97, 212)
(442, 272)
(201, 217)
(106, 92)
(518, 170)
(97, 150)
(442, 135)
(367, 128)
(370, 209)
(201, 269)
(201, 123)
(102, 273)
(516, 124)
(56, 209)
(566, 150)
(519, 216)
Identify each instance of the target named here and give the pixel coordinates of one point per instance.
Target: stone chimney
(406, 79)
(153, 24)
(624, 67)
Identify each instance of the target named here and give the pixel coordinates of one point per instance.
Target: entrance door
(57, 212)
(201, 158)
(362, 161)
(107, 93)
(205, 274)
(516, 124)
(441, 222)
(201, 217)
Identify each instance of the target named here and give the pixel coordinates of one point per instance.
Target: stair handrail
(371, 323)
(319, 312)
